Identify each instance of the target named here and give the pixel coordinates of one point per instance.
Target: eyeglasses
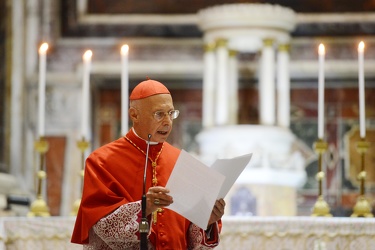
(159, 115)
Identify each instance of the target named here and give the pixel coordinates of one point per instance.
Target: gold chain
(153, 163)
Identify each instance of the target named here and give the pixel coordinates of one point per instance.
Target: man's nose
(167, 118)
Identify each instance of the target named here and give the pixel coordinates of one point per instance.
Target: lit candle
(85, 94)
(321, 93)
(42, 89)
(361, 79)
(124, 88)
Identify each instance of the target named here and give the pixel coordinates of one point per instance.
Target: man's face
(144, 121)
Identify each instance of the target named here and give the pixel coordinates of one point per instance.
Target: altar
(239, 233)
(298, 233)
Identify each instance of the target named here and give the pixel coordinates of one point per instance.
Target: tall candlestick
(124, 89)
(85, 94)
(42, 89)
(361, 79)
(321, 93)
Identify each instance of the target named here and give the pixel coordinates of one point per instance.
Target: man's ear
(133, 113)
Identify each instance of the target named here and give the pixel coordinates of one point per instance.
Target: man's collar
(151, 142)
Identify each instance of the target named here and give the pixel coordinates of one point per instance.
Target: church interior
(292, 82)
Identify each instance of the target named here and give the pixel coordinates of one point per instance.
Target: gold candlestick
(321, 207)
(83, 145)
(362, 208)
(39, 206)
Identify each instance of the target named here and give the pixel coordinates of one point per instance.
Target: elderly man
(110, 210)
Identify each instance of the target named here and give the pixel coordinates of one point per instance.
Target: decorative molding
(247, 16)
(364, 17)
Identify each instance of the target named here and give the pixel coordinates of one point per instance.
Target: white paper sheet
(231, 169)
(195, 187)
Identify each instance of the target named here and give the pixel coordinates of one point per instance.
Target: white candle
(42, 89)
(361, 79)
(124, 89)
(85, 94)
(321, 93)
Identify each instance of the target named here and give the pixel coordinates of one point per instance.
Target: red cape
(114, 176)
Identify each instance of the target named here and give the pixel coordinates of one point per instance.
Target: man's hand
(217, 212)
(157, 197)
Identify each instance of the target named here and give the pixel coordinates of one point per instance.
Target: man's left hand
(217, 211)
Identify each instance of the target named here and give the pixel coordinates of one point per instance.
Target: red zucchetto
(148, 88)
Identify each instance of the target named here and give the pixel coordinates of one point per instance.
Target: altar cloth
(239, 233)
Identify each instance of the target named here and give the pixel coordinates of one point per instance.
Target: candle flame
(124, 49)
(43, 48)
(361, 46)
(321, 49)
(87, 56)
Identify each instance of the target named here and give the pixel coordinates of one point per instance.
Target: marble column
(283, 86)
(233, 87)
(222, 97)
(208, 101)
(17, 93)
(267, 84)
